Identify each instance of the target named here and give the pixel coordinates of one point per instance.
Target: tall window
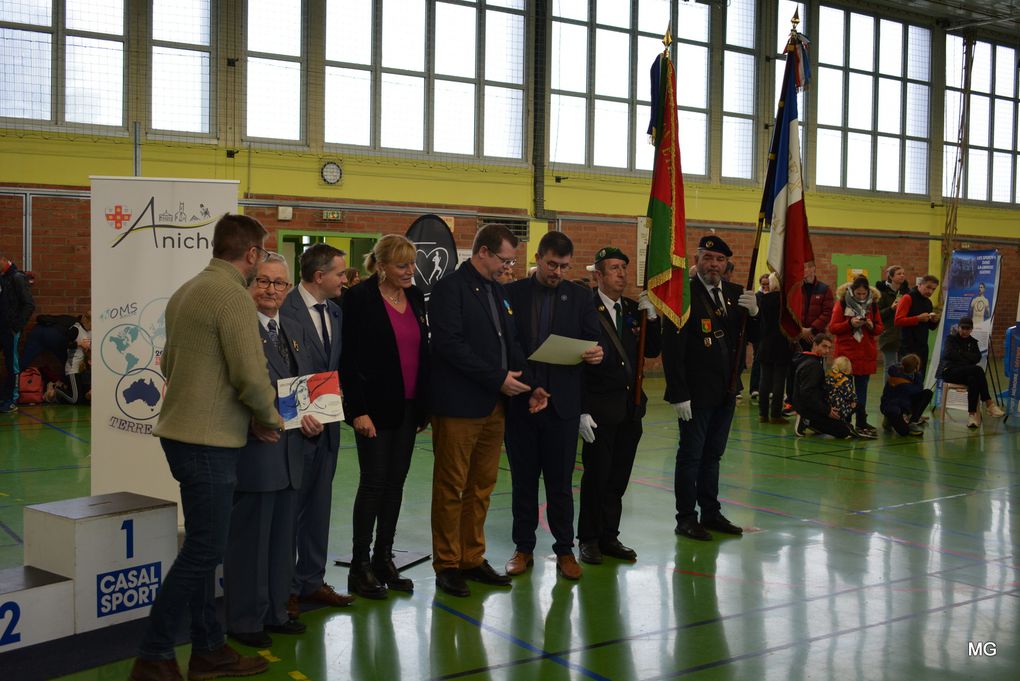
(86, 54)
(739, 92)
(990, 160)
(600, 118)
(876, 136)
(460, 93)
(274, 67)
(180, 65)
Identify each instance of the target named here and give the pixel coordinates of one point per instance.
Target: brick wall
(61, 255)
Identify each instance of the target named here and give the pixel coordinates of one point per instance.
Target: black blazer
(264, 466)
(370, 363)
(698, 358)
(609, 386)
(574, 316)
(466, 372)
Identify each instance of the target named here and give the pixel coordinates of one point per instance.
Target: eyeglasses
(263, 282)
(507, 262)
(265, 254)
(552, 266)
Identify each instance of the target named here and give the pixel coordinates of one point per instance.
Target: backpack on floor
(30, 386)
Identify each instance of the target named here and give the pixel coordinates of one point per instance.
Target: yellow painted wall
(29, 158)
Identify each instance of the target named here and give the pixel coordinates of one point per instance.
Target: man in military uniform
(611, 422)
(698, 360)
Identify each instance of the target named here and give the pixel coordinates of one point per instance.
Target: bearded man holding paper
(544, 444)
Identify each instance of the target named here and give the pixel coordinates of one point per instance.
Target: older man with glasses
(259, 563)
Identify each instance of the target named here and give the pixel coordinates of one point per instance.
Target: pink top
(405, 328)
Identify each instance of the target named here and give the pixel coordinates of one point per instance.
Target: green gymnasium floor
(865, 560)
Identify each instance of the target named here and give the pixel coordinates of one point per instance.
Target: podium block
(116, 547)
(33, 607)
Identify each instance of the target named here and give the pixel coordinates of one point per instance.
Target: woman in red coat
(856, 324)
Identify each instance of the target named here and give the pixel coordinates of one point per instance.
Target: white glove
(749, 302)
(587, 428)
(683, 410)
(644, 304)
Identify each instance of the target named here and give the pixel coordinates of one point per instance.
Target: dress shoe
(292, 626)
(567, 566)
(617, 550)
(719, 523)
(591, 553)
(692, 530)
(486, 575)
(995, 411)
(519, 563)
(779, 420)
(387, 573)
(293, 606)
(452, 582)
(225, 661)
(252, 639)
(327, 595)
(362, 581)
(155, 670)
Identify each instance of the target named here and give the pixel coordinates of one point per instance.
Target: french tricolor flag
(783, 199)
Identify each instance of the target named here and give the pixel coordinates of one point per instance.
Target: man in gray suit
(259, 561)
(309, 307)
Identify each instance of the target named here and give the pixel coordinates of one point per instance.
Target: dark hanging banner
(437, 252)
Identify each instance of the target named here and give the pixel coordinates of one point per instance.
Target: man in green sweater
(217, 389)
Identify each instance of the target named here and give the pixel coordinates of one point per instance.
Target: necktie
(274, 338)
(718, 301)
(618, 309)
(321, 307)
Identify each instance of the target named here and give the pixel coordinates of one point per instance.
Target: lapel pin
(563, 297)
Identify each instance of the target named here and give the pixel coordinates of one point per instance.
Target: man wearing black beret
(698, 360)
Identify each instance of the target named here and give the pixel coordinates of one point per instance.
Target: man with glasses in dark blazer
(476, 364)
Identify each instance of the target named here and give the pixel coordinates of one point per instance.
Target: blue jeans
(207, 476)
(696, 479)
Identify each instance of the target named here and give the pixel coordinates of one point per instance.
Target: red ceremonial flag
(666, 265)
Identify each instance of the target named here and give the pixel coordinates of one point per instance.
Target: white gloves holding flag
(646, 305)
(749, 302)
(683, 410)
(587, 428)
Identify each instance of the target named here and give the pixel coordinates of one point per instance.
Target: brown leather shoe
(224, 661)
(567, 566)
(155, 670)
(293, 608)
(519, 563)
(327, 595)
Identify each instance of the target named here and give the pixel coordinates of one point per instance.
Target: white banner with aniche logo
(149, 236)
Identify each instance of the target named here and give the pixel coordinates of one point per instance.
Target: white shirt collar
(307, 296)
(264, 320)
(606, 300)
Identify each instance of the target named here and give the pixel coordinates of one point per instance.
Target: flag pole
(639, 369)
(769, 181)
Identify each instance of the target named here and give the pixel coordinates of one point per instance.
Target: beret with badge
(714, 244)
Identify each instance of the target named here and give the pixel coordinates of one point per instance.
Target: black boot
(362, 581)
(387, 573)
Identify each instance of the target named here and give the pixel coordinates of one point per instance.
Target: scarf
(856, 308)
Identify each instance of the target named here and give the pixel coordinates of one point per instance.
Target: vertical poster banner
(971, 286)
(149, 236)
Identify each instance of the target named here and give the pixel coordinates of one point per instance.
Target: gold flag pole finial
(667, 39)
(795, 21)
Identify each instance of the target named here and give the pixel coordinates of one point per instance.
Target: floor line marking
(519, 642)
(11, 533)
(718, 619)
(821, 523)
(816, 639)
(50, 425)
